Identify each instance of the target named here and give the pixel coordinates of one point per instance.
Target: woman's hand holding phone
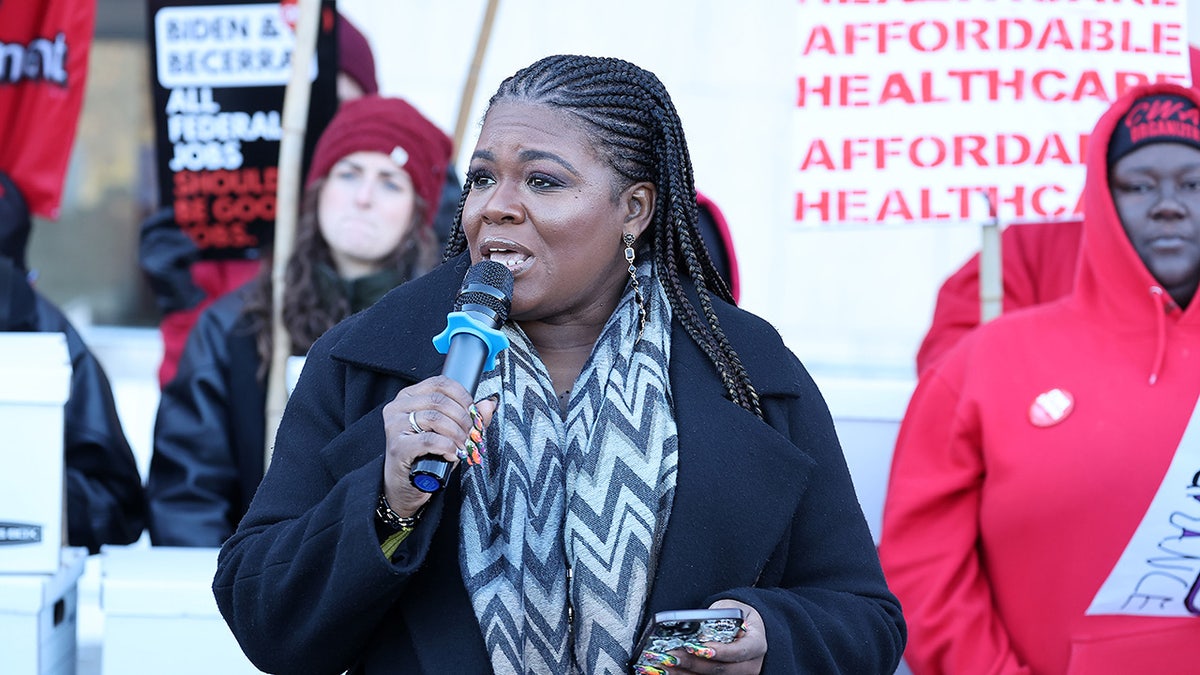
(724, 643)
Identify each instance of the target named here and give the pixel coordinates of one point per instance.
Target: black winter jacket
(764, 512)
(209, 433)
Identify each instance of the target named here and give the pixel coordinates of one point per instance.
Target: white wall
(857, 298)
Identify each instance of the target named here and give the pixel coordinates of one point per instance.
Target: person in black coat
(366, 225)
(105, 500)
(640, 445)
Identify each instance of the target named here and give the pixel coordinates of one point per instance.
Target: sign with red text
(910, 112)
(44, 48)
(220, 71)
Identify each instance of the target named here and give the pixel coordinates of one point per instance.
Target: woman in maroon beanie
(365, 226)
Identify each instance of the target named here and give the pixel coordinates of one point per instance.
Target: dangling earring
(627, 239)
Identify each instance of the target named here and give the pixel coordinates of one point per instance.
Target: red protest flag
(44, 48)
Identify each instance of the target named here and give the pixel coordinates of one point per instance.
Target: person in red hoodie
(1038, 262)
(1042, 449)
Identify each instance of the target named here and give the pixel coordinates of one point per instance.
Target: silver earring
(627, 239)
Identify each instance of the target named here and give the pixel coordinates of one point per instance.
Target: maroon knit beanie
(355, 57)
(395, 128)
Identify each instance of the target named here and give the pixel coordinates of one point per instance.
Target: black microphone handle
(464, 365)
(465, 359)
(470, 340)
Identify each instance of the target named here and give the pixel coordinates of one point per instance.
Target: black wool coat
(764, 512)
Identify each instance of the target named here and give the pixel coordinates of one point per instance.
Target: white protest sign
(1157, 574)
(911, 111)
(223, 46)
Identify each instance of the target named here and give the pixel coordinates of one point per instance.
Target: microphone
(471, 340)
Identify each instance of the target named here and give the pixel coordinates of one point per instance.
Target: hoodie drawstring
(1162, 304)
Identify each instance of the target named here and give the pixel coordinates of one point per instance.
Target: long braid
(636, 127)
(457, 242)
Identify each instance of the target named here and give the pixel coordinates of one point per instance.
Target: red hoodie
(1038, 265)
(997, 532)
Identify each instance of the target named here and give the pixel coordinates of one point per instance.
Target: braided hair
(631, 120)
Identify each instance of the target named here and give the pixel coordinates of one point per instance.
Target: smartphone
(672, 629)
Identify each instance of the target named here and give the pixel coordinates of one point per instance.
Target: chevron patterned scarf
(590, 495)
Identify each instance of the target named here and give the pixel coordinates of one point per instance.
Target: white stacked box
(38, 616)
(160, 615)
(35, 380)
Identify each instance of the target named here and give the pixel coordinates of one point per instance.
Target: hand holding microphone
(471, 341)
(428, 423)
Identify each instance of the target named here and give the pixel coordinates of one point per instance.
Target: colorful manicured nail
(658, 659)
(648, 670)
(700, 650)
(473, 453)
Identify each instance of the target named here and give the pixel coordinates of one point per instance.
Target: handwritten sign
(1158, 574)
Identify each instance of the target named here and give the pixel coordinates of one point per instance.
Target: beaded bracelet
(385, 514)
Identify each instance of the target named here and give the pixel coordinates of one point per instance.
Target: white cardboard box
(160, 615)
(38, 614)
(35, 380)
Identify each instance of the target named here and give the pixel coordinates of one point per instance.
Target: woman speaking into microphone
(641, 445)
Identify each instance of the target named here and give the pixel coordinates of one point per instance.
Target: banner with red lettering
(219, 71)
(911, 112)
(44, 48)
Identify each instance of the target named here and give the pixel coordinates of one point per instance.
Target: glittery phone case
(674, 629)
